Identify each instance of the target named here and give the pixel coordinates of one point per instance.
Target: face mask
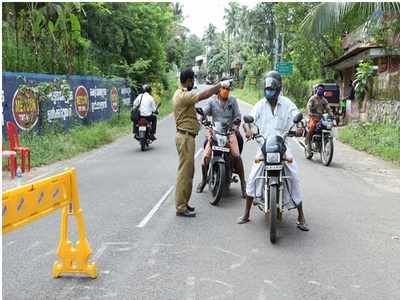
(224, 94)
(269, 94)
(320, 93)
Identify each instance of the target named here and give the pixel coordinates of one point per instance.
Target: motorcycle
(143, 128)
(322, 140)
(274, 157)
(221, 168)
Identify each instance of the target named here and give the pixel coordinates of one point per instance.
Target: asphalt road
(351, 252)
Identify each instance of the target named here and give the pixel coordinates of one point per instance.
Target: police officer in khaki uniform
(187, 127)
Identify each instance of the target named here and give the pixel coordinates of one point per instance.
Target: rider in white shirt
(274, 115)
(147, 108)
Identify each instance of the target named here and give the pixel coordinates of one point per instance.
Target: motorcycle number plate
(273, 167)
(223, 149)
(142, 128)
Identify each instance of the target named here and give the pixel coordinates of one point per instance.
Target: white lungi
(291, 193)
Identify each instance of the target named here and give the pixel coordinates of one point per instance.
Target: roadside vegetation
(138, 42)
(50, 146)
(382, 140)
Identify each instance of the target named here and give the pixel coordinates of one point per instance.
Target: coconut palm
(327, 16)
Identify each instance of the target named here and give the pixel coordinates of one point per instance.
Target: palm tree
(327, 16)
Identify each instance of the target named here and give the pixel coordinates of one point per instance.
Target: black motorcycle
(322, 140)
(274, 158)
(221, 170)
(143, 131)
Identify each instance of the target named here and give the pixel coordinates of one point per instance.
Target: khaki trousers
(185, 145)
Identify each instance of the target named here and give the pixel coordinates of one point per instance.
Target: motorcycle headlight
(273, 158)
(221, 140)
(329, 125)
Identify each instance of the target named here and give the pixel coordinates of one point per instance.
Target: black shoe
(189, 208)
(153, 138)
(186, 213)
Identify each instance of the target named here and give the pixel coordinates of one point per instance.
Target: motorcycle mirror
(298, 118)
(199, 110)
(248, 119)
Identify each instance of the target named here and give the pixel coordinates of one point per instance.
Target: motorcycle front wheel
(273, 212)
(327, 153)
(217, 182)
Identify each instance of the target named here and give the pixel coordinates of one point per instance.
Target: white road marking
(43, 255)
(314, 282)
(104, 246)
(147, 218)
(156, 207)
(271, 283)
(298, 144)
(153, 276)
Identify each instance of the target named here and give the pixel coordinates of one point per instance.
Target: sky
(198, 14)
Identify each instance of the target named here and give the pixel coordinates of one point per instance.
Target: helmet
(273, 80)
(146, 88)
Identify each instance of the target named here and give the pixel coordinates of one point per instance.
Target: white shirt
(147, 104)
(277, 123)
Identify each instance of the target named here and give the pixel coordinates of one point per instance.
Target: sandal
(242, 220)
(302, 226)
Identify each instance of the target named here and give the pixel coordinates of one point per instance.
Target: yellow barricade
(29, 202)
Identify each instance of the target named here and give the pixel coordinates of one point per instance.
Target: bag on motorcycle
(135, 112)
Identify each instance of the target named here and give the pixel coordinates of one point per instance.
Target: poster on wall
(81, 102)
(114, 99)
(25, 109)
(90, 99)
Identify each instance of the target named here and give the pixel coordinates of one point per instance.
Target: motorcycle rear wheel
(143, 144)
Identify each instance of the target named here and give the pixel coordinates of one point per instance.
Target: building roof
(353, 57)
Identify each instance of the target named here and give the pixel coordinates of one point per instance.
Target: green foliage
(382, 140)
(136, 41)
(363, 82)
(329, 16)
(193, 47)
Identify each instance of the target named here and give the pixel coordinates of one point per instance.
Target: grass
(51, 147)
(382, 140)
(247, 95)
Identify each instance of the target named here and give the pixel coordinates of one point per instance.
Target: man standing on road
(316, 106)
(274, 115)
(187, 127)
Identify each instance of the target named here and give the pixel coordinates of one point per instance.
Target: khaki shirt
(317, 106)
(185, 113)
